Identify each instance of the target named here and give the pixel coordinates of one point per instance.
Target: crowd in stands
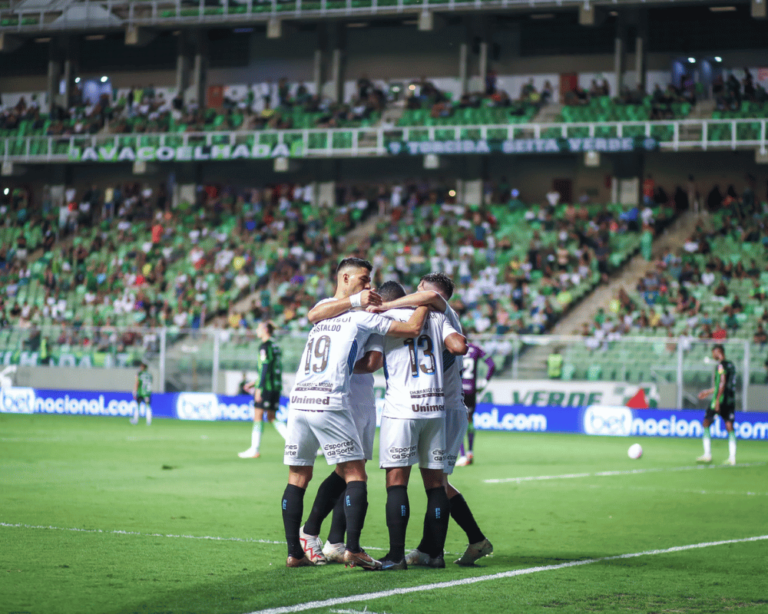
(713, 287)
(124, 256)
(730, 93)
(132, 260)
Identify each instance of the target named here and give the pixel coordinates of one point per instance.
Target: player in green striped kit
(266, 389)
(723, 404)
(142, 393)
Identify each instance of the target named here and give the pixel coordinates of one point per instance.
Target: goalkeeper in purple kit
(469, 387)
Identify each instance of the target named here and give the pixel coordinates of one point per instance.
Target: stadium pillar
(71, 64)
(54, 74)
(641, 51)
(337, 61)
(758, 9)
(463, 65)
(619, 54)
(200, 69)
(318, 68)
(183, 63)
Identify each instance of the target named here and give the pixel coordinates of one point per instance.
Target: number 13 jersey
(328, 360)
(414, 369)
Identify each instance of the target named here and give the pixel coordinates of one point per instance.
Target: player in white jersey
(320, 414)
(363, 405)
(434, 291)
(413, 426)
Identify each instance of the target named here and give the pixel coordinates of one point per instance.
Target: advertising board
(596, 419)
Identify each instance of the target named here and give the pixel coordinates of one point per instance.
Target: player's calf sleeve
(471, 436)
(293, 509)
(732, 444)
(355, 508)
(398, 513)
(258, 429)
(327, 496)
(707, 442)
(461, 513)
(438, 514)
(338, 523)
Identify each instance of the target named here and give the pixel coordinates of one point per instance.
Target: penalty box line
(603, 474)
(312, 605)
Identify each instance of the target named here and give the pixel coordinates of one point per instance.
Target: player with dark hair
(413, 427)
(142, 393)
(435, 290)
(723, 404)
(320, 414)
(469, 387)
(353, 287)
(266, 389)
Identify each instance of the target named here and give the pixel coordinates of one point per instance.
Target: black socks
(464, 518)
(398, 513)
(293, 509)
(436, 525)
(355, 507)
(327, 496)
(338, 523)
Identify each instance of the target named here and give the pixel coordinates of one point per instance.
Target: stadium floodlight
(104, 79)
(6, 191)
(718, 58)
(77, 79)
(692, 60)
(451, 193)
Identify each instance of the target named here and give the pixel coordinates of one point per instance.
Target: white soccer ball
(635, 451)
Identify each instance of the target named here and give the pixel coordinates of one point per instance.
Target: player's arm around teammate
(330, 309)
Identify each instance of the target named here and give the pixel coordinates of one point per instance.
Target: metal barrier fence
(669, 370)
(105, 13)
(508, 139)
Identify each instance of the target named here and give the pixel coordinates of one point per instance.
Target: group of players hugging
(417, 339)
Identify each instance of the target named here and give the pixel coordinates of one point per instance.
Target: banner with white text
(599, 420)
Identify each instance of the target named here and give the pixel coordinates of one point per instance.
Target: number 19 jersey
(414, 369)
(328, 360)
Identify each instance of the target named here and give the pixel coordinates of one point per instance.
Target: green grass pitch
(141, 497)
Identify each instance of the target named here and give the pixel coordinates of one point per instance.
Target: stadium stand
(711, 289)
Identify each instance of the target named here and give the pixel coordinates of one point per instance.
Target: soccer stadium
(262, 258)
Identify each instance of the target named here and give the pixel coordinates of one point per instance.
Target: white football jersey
(452, 367)
(414, 369)
(323, 381)
(361, 387)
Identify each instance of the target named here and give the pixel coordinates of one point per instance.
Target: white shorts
(333, 431)
(365, 420)
(403, 443)
(456, 422)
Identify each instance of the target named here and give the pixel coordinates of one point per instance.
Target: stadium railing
(673, 135)
(670, 371)
(159, 12)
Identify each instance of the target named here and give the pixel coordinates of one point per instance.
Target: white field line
(729, 493)
(312, 605)
(602, 474)
(136, 533)
(108, 532)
